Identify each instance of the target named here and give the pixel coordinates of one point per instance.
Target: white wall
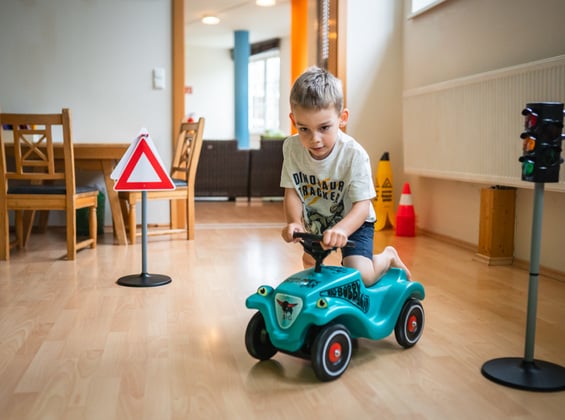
(210, 73)
(286, 84)
(95, 57)
(465, 37)
(374, 80)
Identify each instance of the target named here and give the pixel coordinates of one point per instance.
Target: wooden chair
(183, 174)
(39, 174)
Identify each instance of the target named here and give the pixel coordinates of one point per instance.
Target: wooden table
(104, 157)
(101, 157)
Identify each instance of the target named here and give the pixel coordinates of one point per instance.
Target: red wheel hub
(334, 353)
(412, 323)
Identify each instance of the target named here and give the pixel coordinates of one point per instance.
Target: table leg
(117, 219)
(28, 218)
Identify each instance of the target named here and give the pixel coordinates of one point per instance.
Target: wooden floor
(75, 345)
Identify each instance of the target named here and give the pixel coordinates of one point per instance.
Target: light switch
(158, 78)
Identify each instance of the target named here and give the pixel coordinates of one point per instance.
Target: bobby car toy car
(315, 314)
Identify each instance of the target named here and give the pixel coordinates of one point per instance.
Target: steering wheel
(312, 245)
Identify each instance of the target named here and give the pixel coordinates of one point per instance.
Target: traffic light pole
(528, 373)
(534, 273)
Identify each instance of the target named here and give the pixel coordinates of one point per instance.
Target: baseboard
(543, 271)
(493, 260)
(518, 263)
(448, 239)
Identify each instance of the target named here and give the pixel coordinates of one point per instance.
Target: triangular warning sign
(387, 183)
(143, 171)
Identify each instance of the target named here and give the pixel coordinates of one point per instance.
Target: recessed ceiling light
(265, 3)
(210, 20)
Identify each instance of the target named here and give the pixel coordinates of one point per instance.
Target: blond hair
(317, 89)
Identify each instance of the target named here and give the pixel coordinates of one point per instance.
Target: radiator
(468, 129)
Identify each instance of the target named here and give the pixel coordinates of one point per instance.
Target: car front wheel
(331, 352)
(257, 339)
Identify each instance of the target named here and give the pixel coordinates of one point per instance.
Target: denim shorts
(363, 238)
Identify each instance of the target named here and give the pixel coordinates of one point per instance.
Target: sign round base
(516, 372)
(144, 280)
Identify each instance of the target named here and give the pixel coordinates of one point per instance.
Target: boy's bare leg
(365, 267)
(386, 259)
(370, 271)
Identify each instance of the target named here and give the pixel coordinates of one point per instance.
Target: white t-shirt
(328, 187)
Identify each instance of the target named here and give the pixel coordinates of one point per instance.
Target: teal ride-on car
(315, 313)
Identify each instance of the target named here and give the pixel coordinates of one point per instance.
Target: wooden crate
(496, 227)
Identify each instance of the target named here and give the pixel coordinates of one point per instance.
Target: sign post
(141, 169)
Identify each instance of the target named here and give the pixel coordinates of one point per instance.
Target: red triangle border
(164, 182)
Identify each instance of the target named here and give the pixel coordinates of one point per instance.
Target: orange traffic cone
(405, 216)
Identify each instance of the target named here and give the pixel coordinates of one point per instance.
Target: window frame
(423, 9)
(264, 56)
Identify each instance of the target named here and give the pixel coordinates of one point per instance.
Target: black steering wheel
(312, 245)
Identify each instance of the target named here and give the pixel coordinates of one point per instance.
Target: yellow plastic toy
(383, 202)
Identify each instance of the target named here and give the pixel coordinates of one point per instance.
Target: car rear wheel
(257, 339)
(331, 352)
(410, 324)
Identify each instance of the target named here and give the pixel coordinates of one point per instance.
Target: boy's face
(318, 129)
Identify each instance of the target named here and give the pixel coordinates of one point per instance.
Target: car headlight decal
(287, 309)
(264, 290)
(322, 303)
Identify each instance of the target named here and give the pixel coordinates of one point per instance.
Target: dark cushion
(47, 189)
(179, 183)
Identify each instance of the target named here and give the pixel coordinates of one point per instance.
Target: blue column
(242, 51)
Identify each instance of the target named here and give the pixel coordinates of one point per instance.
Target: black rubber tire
(331, 352)
(410, 324)
(257, 339)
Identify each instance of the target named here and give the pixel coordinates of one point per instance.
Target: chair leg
(21, 230)
(71, 234)
(43, 220)
(132, 222)
(125, 212)
(190, 216)
(93, 226)
(4, 234)
(28, 219)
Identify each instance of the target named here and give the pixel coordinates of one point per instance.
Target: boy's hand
(334, 238)
(288, 232)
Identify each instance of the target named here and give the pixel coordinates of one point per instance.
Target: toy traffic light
(542, 139)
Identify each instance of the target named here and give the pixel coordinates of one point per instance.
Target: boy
(327, 178)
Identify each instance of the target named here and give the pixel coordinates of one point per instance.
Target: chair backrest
(187, 151)
(34, 150)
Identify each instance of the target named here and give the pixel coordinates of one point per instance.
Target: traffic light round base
(144, 280)
(515, 372)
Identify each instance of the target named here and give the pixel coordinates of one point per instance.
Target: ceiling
(262, 22)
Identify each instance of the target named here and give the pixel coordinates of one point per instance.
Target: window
(420, 6)
(264, 92)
